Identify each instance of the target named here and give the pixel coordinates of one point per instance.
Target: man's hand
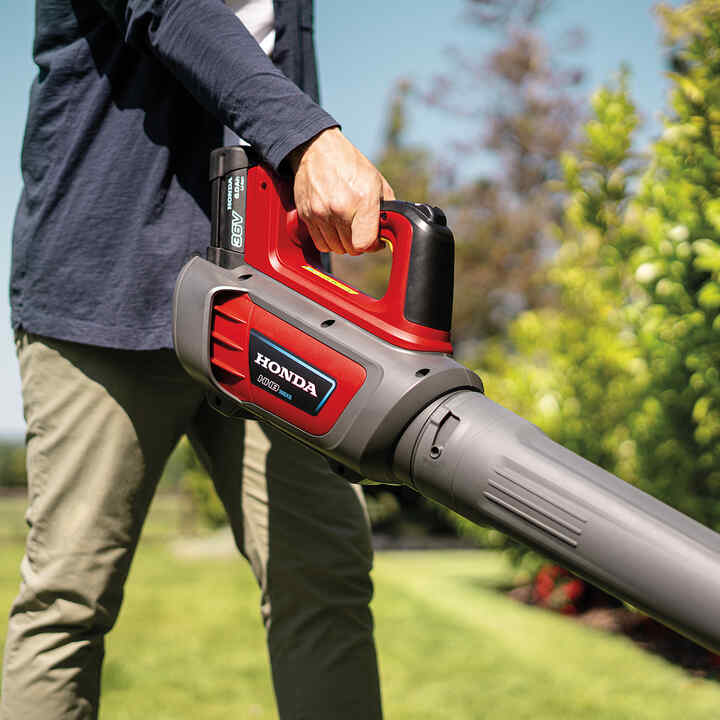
(338, 193)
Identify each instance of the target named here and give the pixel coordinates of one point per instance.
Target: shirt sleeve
(214, 56)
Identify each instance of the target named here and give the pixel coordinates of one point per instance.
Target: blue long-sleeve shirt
(129, 100)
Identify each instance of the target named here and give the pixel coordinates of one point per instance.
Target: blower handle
(420, 286)
(254, 222)
(415, 310)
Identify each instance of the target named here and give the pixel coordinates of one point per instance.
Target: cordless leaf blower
(372, 385)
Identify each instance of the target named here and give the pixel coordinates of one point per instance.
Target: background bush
(625, 368)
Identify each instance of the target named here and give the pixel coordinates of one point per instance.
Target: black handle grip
(430, 278)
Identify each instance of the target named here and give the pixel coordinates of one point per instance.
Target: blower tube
(492, 467)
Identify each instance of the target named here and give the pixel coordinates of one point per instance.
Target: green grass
(12, 523)
(189, 644)
(452, 647)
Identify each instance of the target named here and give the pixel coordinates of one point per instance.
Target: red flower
(557, 589)
(574, 589)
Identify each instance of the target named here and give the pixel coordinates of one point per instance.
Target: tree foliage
(625, 369)
(575, 362)
(574, 368)
(677, 426)
(521, 114)
(518, 112)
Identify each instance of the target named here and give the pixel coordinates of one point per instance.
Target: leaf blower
(372, 385)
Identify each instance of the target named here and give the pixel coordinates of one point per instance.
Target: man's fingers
(387, 194)
(331, 237)
(317, 238)
(338, 192)
(377, 246)
(345, 233)
(366, 226)
(387, 191)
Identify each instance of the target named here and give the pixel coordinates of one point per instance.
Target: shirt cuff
(280, 149)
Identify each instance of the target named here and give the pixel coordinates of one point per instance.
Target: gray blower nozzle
(492, 467)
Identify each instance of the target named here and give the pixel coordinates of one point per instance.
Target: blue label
(281, 373)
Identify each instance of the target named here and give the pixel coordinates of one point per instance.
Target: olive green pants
(100, 426)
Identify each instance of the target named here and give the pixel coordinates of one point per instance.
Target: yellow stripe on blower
(332, 280)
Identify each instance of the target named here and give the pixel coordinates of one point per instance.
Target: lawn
(189, 645)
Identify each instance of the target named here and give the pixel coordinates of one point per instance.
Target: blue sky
(363, 48)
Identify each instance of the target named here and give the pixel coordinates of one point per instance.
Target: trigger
(296, 229)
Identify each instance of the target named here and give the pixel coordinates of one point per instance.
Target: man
(130, 98)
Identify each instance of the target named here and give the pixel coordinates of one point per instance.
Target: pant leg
(101, 424)
(306, 534)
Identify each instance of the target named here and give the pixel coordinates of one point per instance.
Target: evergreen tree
(521, 112)
(677, 427)
(626, 370)
(574, 368)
